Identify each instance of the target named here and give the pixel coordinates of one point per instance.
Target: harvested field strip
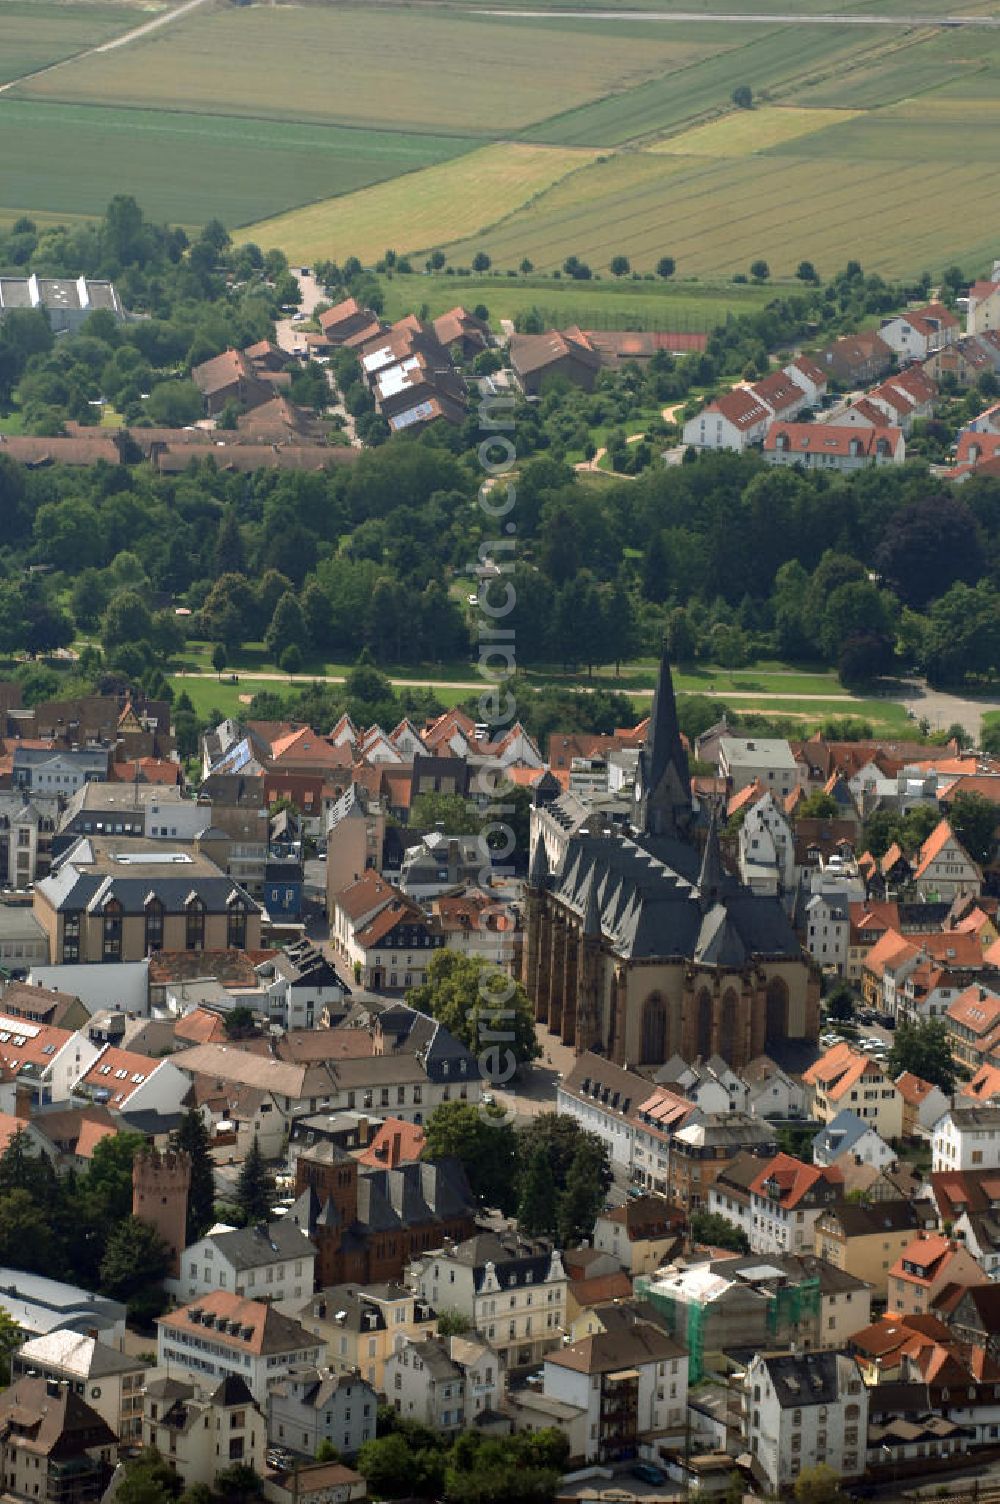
(246, 168)
(746, 132)
(424, 209)
(381, 68)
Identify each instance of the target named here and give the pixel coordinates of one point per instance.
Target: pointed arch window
(194, 938)
(154, 925)
(112, 919)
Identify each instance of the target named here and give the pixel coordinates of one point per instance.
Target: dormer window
(194, 937)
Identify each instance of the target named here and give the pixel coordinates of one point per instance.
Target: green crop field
(246, 167)
(678, 306)
(37, 33)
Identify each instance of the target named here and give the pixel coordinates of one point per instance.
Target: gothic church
(642, 947)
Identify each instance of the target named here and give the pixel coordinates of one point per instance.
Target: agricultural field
(471, 74)
(746, 132)
(609, 304)
(445, 202)
(36, 33)
(247, 167)
(340, 129)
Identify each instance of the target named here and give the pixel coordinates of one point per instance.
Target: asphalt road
(757, 18)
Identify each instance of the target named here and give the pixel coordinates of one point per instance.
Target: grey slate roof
(254, 1247)
(647, 892)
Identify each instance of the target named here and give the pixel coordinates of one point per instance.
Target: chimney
(364, 1135)
(395, 1151)
(22, 1104)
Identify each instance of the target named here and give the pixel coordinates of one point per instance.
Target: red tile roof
(793, 1179)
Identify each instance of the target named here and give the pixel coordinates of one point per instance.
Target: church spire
(538, 871)
(712, 874)
(663, 781)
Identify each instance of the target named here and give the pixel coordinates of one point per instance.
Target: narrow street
(290, 337)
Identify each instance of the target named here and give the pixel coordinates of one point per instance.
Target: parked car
(647, 1473)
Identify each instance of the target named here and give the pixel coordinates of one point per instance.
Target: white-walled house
(786, 1198)
(849, 1134)
(944, 869)
(771, 1092)
(222, 1333)
(915, 334)
(629, 1381)
(275, 1262)
(512, 1289)
(809, 376)
(768, 761)
(828, 930)
(801, 1410)
(967, 1138)
(833, 447)
(767, 848)
(734, 420)
(442, 1382)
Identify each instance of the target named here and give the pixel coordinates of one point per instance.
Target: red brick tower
(160, 1185)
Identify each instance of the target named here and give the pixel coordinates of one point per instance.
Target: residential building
(202, 1429)
(767, 846)
(845, 1077)
(802, 1411)
(348, 323)
(640, 1235)
(767, 761)
(974, 1316)
(53, 770)
(27, 829)
(55, 1445)
(604, 1099)
(386, 938)
(360, 1325)
(923, 1269)
(866, 1241)
(224, 1334)
(967, 1137)
(412, 376)
(828, 930)
(318, 1483)
(702, 1149)
(983, 312)
(110, 1380)
(512, 1289)
(43, 1005)
(944, 869)
(313, 1405)
(923, 1103)
(913, 335)
(973, 1024)
(786, 1197)
(969, 1202)
(856, 359)
(734, 420)
(536, 358)
(772, 1092)
(831, 447)
(66, 301)
(848, 1134)
(443, 1382)
(231, 378)
(108, 902)
(46, 1063)
(273, 1262)
(632, 1383)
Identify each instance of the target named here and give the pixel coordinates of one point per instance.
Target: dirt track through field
(119, 41)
